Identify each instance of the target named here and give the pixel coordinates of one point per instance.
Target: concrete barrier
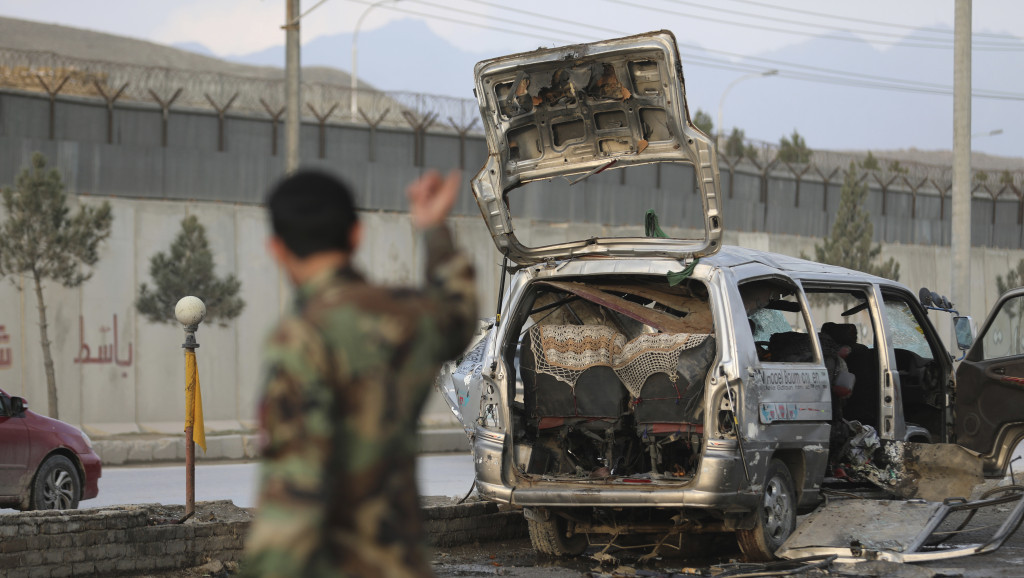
(115, 541)
(127, 540)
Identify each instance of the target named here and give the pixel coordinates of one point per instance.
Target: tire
(56, 485)
(775, 517)
(548, 534)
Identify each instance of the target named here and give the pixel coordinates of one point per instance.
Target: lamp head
(190, 312)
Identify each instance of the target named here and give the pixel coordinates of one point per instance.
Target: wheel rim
(58, 490)
(777, 508)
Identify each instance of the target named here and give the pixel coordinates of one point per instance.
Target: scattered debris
(905, 531)
(908, 470)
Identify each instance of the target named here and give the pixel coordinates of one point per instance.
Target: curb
(128, 449)
(126, 540)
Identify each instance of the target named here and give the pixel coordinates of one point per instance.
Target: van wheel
(56, 486)
(548, 534)
(775, 517)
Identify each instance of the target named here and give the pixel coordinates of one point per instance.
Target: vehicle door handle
(999, 370)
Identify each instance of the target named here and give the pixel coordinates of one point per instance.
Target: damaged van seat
(862, 362)
(790, 347)
(567, 376)
(671, 397)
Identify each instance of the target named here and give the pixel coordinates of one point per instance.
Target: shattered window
(776, 317)
(905, 330)
(767, 322)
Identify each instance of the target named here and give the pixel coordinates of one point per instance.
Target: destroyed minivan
(647, 386)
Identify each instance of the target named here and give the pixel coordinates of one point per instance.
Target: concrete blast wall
(118, 372)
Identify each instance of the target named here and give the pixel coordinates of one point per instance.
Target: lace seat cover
(565, 351)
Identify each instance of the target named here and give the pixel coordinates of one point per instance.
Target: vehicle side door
(989, 403)
(919, 366)
(14, 449)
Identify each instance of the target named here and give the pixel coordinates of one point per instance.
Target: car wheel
(775, 517)
(548, 532)
(56, 485)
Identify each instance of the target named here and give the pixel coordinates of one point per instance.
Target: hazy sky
(241, 26)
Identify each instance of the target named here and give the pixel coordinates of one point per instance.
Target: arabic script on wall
(106, 353)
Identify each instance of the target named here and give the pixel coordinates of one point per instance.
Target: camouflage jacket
(348, 371)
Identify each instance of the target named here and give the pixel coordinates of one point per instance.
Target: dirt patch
(215, 511)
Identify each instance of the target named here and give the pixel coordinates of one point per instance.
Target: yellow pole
(194, 400)
(195, 432)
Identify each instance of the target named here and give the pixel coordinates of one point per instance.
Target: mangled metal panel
(901, 531)
(460, 381)
(582, 109)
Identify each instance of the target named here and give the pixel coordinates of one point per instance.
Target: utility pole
(293, 81)
(961, 225)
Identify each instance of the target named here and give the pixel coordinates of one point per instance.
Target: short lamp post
(721, 103)
(190, 312)
(354, 80)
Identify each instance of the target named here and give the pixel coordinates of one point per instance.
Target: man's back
(347, 374)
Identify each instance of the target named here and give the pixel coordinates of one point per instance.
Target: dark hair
(311, 212)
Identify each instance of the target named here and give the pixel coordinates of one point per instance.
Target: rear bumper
(717, 487)
(93, 470)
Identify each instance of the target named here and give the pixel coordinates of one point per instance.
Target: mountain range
(854, 115)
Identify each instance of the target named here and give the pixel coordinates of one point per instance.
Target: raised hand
(431, 198)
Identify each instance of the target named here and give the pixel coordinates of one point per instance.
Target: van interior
(611, 379)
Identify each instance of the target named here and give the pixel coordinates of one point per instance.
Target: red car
(45, 464)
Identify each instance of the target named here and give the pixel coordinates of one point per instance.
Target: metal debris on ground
(908, 470)
(802, 566)
(907, 531)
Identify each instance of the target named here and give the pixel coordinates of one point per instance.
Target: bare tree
(40, 239)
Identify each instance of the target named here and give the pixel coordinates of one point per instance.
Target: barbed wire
(56, 74)
(883, 172)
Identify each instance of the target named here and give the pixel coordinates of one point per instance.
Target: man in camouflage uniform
(348, 370)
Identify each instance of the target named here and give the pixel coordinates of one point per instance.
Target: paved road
(439, 475)
(451, 475)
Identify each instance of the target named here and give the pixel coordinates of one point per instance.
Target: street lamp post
(190, 312)
(355, 60)
(721, 102)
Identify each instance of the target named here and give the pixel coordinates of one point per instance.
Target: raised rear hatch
(582, 109)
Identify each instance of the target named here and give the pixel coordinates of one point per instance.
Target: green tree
(1006, 178)
(849, 243)
(702, 120)
(736, 146)
(1014, 278)
(896, 168)
(187, 269)
(40, 239)
(870, 163)
(794, 149)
